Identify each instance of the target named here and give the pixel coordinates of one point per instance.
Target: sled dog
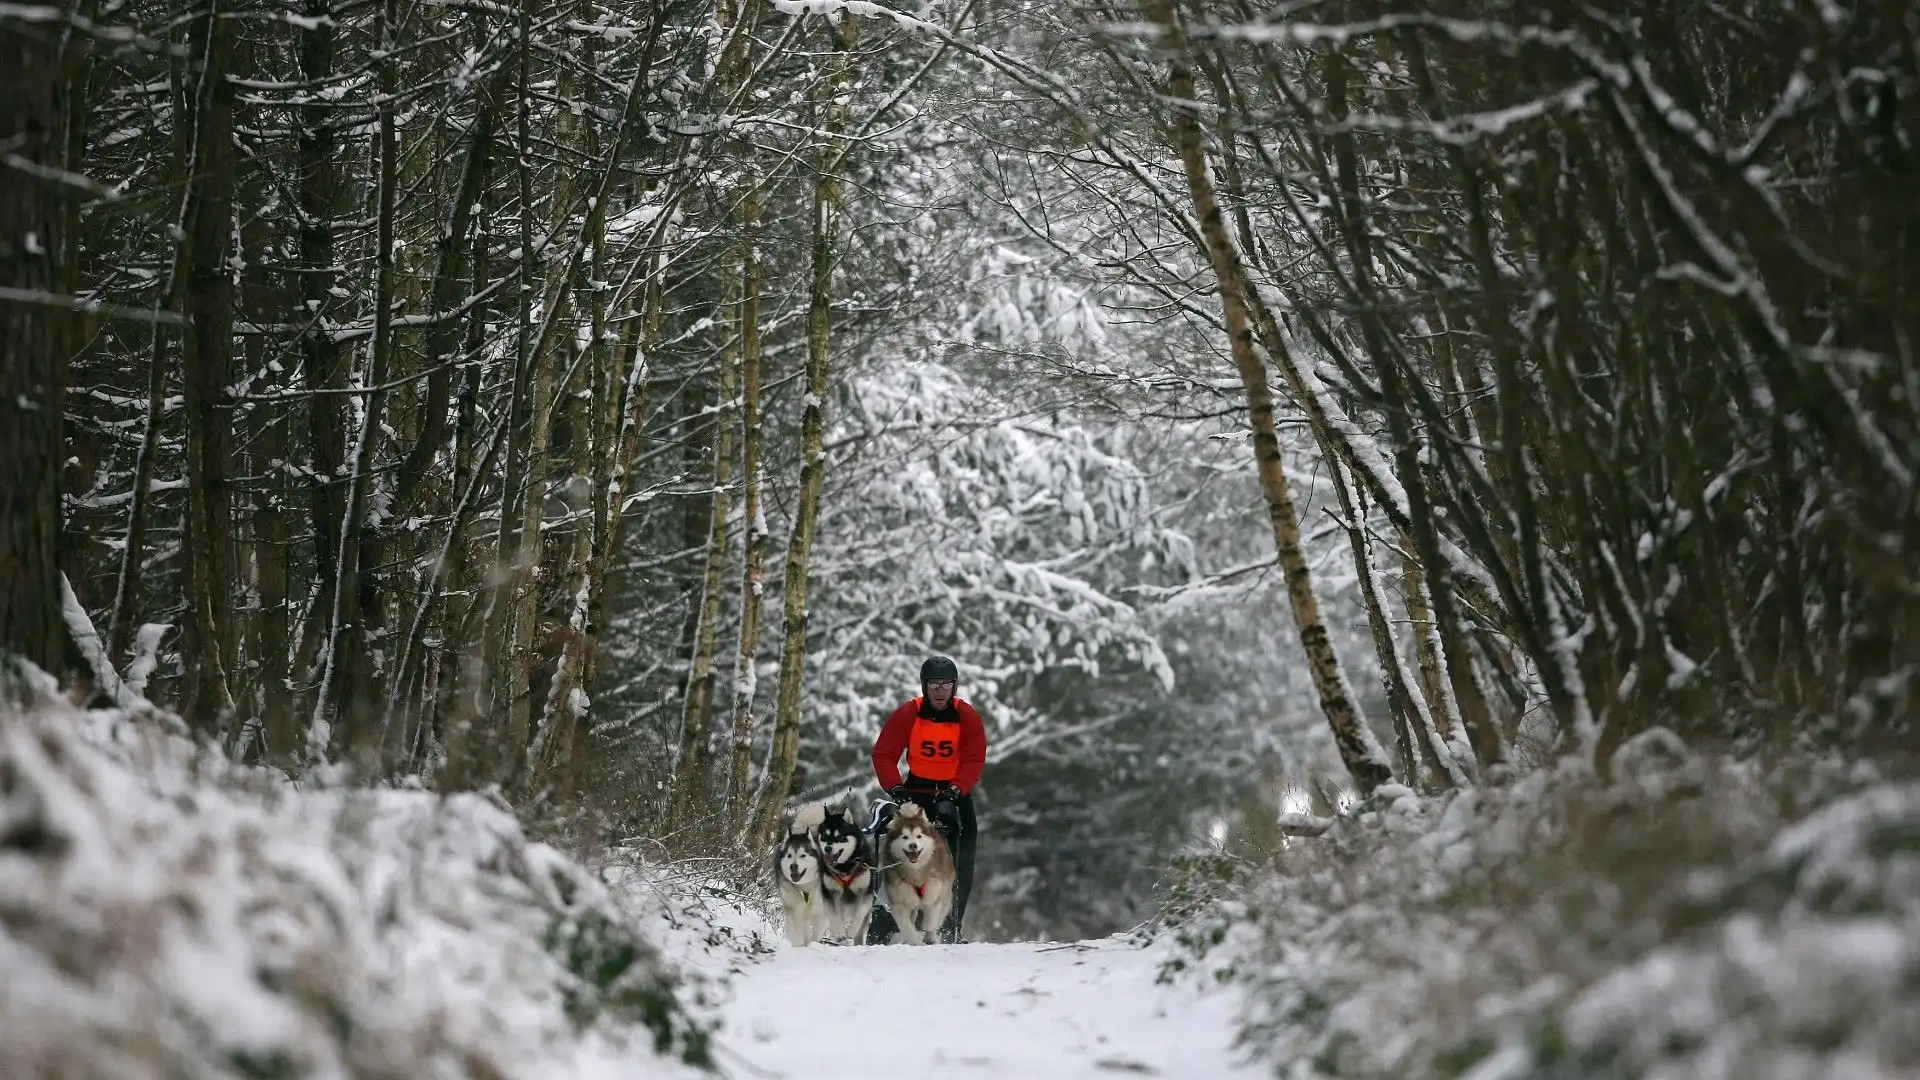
(846, 875)
(796, 870)
(920, 875)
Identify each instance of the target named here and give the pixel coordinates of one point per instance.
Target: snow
(1032, 1010)
(87, 639)
(146, 656)
(1301, 823)
(164, 913)
(1677, 922)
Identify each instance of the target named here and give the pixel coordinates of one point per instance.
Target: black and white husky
(796, 871)
(846, 876)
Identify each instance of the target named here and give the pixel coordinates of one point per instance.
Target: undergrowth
(1699, 917)
(164, 914)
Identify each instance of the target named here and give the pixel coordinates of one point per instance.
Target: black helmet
(939, 667)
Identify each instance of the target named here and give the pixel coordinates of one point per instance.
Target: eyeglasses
(941, 684)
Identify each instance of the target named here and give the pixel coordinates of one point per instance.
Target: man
(946, 748)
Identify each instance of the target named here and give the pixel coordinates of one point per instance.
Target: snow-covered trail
(1026, 1011)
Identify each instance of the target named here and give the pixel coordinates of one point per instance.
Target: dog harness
(845, 880)
(933, 750)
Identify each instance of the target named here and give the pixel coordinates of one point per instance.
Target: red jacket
(899, 729)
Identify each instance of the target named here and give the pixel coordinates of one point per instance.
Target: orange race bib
(933, 753)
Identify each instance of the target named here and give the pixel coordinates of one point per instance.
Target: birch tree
(1359, 750)
(695, 729)
(745, 672)
(827, 193)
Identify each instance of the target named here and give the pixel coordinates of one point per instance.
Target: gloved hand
(946, 810)
(898, 793)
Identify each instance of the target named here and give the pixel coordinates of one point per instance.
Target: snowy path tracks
(1030, 1010)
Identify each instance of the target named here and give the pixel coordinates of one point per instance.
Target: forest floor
(1033, 1010)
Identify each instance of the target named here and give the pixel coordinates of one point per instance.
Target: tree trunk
(265, 444)
(273, 538)
(77, 114)
(570, 705)
(207, 646)
(30, 349)
(1362, 754)
(523, 610)
(1426, 647)
(347, 676)
(785, 753)
(1330, 425)
(690, 775)
(140, 508)
(523, 642)
(450, 274)
(624, 428)
(512, 640)
(565, 712)
(623, 424)
(444, 740)
(498, 754)
(1531, 610)
(693, 777)
(459, 700)
(745, 673)
(408, 701)
(1438, 710)
(1406, 452)
(323, 366)
(1412, 723)
(1392, 679)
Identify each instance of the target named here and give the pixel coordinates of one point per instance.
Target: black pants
(963, 862)
(961, 840)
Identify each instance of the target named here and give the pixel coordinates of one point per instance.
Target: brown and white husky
(919, 875)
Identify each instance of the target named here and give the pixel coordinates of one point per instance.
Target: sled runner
(945, 813)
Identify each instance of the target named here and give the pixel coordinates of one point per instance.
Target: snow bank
(162, 915)
(1691, 920)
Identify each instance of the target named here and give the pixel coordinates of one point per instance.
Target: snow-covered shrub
(1675, 923)
(698, 919)
(1198, 910)
(162, 917)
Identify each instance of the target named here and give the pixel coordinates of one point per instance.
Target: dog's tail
(912, 810)
(807, 818)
